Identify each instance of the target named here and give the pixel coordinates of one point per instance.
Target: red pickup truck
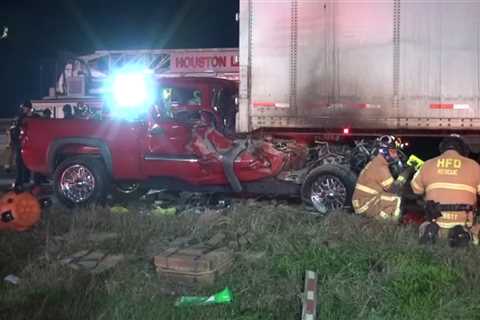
(183, 141)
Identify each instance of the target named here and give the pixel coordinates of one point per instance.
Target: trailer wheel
(328, 188)
(80, 181)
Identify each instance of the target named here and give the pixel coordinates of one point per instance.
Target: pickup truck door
(169, 133)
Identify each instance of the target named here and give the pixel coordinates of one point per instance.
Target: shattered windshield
(180, 96)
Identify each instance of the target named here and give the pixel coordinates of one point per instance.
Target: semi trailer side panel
(359, 64)
(439, 61)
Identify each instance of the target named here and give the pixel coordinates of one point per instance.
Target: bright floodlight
(131, 93)
(130, 89)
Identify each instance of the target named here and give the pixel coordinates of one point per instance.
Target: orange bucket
(19, 211)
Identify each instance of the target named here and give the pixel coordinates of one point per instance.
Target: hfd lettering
(448, 166)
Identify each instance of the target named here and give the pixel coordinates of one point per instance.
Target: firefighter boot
(475, 233)
(458, 237)
(428, 232)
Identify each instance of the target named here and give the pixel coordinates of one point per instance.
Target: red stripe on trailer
(263, 104)
(450, 106)
(366, 106)
(271, 104)
(360, 106)
(441, 106)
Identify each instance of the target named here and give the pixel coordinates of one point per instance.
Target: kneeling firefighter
(376, 192)
(450, 184)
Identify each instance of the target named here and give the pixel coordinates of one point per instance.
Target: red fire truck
(82, 79)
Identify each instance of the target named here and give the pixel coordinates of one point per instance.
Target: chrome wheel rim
(77, 183)
(328, 193)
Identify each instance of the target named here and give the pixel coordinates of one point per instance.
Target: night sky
(41, 31)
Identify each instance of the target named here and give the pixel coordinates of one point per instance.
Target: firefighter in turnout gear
(450, 184)
(376, 192)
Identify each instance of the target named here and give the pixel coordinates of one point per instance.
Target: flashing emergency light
(129, 89)
(346, 130)
(131, 92)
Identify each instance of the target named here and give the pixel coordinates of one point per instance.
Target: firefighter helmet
(27, 105)
(454, 142)
(387, 148)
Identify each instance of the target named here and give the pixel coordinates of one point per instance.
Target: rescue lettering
(447, 172)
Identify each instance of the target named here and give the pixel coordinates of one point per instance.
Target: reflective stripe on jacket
(372, 184)
(449, 179)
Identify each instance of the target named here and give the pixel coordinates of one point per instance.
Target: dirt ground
(367, 269)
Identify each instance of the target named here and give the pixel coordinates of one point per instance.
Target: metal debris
(12, 279)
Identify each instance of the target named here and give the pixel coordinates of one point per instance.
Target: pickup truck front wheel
(328, 188)
(80, 181)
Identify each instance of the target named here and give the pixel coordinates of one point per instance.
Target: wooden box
(193, 264)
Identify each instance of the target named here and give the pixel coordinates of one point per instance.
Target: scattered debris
(94, 262)
(119, 210)
(11, 278)
(159, 211)
(102, 236)
(223, 297)
(253, 256)
(242, 241)
(309, 311)
(245, 238)
(4, 33)
(96, 237)
(216, 240)
(161, 203)
(108, 262)
(154, 192)
(214, 218)
(195, 263)
(233, 245)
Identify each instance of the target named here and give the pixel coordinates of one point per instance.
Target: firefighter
(67, 111)
(376, 192)
(8, 156)
(449, 183)
(22, 173)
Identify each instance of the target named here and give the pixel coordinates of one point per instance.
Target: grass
(367, 270)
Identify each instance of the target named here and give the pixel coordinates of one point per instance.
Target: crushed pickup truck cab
(177, 145)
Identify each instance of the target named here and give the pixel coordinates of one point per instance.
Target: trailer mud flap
(228, 159)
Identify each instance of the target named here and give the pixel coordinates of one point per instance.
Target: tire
(125, 192)
(96, 182)
(341, 184)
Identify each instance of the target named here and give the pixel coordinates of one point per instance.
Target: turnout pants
(22, 173)
(452, 219)
(385, 206)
